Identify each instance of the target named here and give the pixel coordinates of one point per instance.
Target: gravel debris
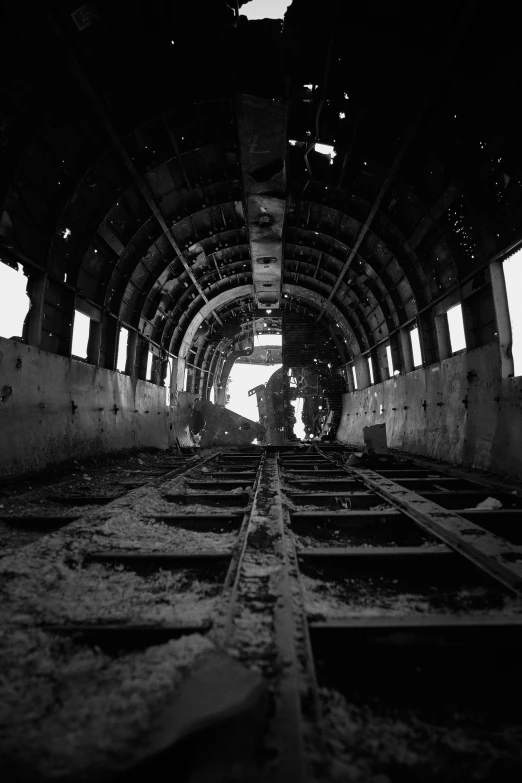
(378, 743)
(72, 712)
(379, 597)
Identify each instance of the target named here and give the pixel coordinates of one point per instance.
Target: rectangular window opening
(149, 366)
(123, 341)
(14, 302)
(513, 276)
(168, 381)
(415, 347)
(354, 375)
(185, 379)
(456, 329)
(370, 368)
(81, 327)
(390, 359)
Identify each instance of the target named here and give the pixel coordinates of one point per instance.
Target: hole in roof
(326, 149)
(264, 9)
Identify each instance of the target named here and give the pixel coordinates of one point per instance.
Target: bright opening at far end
(299, 428)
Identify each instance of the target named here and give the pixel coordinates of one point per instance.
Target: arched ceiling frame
(217, 303)
(139, 244)
(173, 332)
(337, 245)
(410, 283)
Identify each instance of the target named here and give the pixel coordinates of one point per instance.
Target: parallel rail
(304, 520)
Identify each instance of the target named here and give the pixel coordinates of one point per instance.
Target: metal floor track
(356, 581)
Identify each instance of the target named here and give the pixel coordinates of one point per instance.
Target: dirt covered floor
(69, 710)
(375, 741)
(378, 596)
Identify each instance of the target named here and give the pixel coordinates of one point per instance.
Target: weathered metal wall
(39, 426)
(458, 410)
(54, 409)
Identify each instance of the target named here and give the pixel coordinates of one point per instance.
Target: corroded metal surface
(262, 137)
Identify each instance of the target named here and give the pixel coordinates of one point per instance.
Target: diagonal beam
(125, 158)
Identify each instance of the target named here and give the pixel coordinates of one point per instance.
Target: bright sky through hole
(390, 360)
(168, 381)
(149, 367)
(325, 149)
(513, 275)
(370, 368)
(80, 335)
(14, 302)
(354, 376)
(456, 328)
(243, 378)
(299, 430)
(269, 339)
(415, 346)
(265, 9)
(122, 349)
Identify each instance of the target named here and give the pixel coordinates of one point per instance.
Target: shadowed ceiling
(122, 178)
